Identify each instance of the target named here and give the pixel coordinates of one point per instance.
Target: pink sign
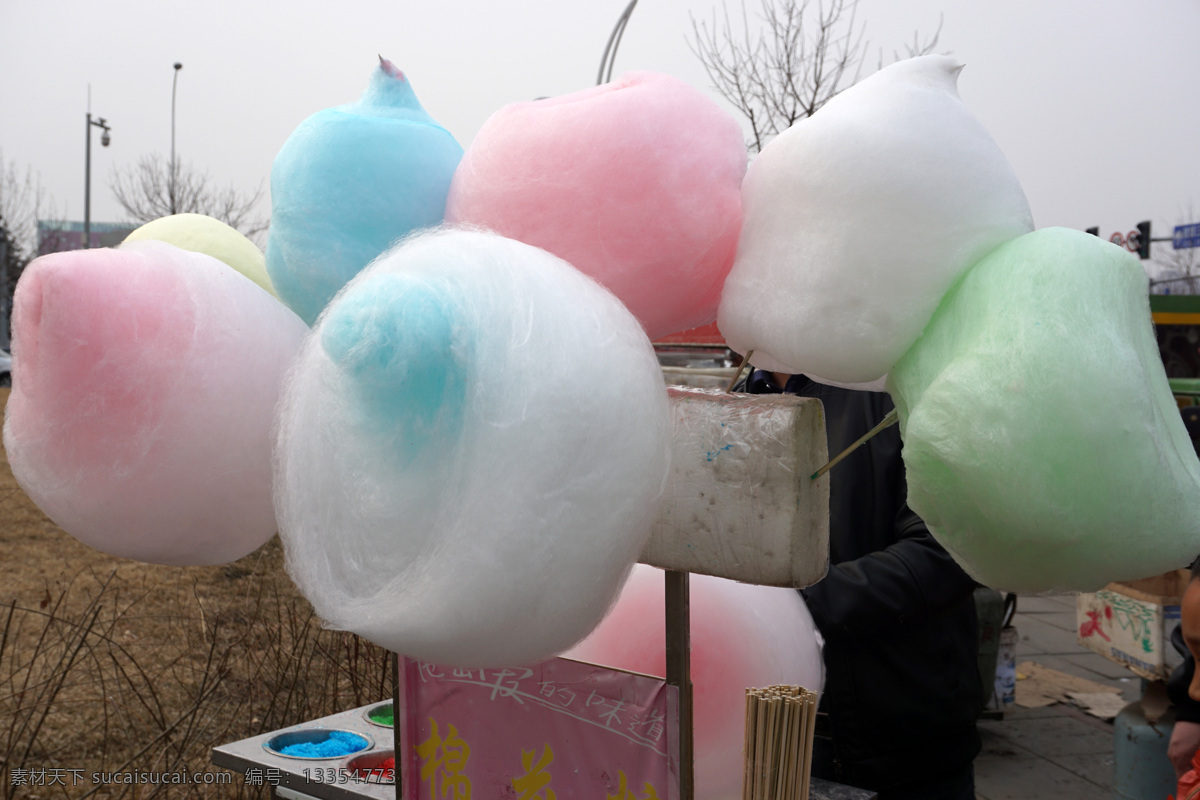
(558, 730)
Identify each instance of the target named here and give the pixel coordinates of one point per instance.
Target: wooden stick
(892, 417)
(810, 702)
(759, 742)
(782, 748)
(748, 746)
(799, 764)
(678, 645)
(776, 706)
(797, 730)
(795, 708)
(777, 745)
(733, 381)
(768, 745)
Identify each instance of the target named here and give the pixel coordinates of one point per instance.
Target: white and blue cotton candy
(470, 452)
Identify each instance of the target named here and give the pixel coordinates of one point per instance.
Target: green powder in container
(382, 715)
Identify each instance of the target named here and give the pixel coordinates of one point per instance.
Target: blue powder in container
(338, 743)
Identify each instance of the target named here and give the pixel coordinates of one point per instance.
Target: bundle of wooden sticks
(779, 741)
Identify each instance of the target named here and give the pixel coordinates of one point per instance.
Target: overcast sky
(1094, 103)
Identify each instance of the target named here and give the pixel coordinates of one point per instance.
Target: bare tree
(791, 65)
(146, 192)
(23, 201)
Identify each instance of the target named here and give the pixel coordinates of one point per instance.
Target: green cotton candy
(1041, 441)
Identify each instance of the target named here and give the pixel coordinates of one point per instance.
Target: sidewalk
(1057, 752)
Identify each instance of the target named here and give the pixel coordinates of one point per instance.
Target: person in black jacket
(1185, 735)
(902, 689)
(1183, 687)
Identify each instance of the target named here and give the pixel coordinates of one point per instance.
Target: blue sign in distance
(1186, 236)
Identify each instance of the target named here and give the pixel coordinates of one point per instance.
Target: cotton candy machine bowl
(381, 715)
(316, 744)
(376, 766)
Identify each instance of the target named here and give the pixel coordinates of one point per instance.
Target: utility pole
(87, 173)
(174, 84)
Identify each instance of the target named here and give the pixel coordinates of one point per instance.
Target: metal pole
(397, 721)
(174, 84)
(679, 645)
(87, 186)
(87, 173)
(614, 41)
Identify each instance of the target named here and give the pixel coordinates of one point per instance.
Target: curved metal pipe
(614, 41)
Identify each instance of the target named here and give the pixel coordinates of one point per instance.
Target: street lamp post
(174, 84)
(614, 41)
(87, 174)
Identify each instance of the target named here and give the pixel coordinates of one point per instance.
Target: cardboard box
(1131, 623)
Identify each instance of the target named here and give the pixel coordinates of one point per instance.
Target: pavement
(1057, 751)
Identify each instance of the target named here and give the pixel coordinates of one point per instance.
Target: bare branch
(22, 202)
(147, 192)
(916, 47)
(803, 55)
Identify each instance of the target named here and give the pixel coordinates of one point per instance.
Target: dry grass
(108, 665)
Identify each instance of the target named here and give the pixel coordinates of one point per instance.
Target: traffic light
(1143, 250)
(1094, 231)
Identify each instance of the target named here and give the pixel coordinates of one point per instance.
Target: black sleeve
(905, 584)
(1186, 709)
(894, 574)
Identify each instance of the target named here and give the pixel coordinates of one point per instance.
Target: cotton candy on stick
(144, 385)
(742, 636)
(1041, 441)
(349, 182)
(859, 218)
(470, 452)
(636, 183)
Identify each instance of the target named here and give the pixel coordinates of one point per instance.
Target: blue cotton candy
(339, 743)
(396, 346)
(349, 182)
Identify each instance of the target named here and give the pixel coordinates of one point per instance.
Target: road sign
(1186, 236)
(1117, 239)
(1133, 241)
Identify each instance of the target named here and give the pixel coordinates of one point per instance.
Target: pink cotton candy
(742, 635)
(144, 385)
(635, 183)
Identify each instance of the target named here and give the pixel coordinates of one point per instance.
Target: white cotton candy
(742, 636)
(857, 221)
(470, 452)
